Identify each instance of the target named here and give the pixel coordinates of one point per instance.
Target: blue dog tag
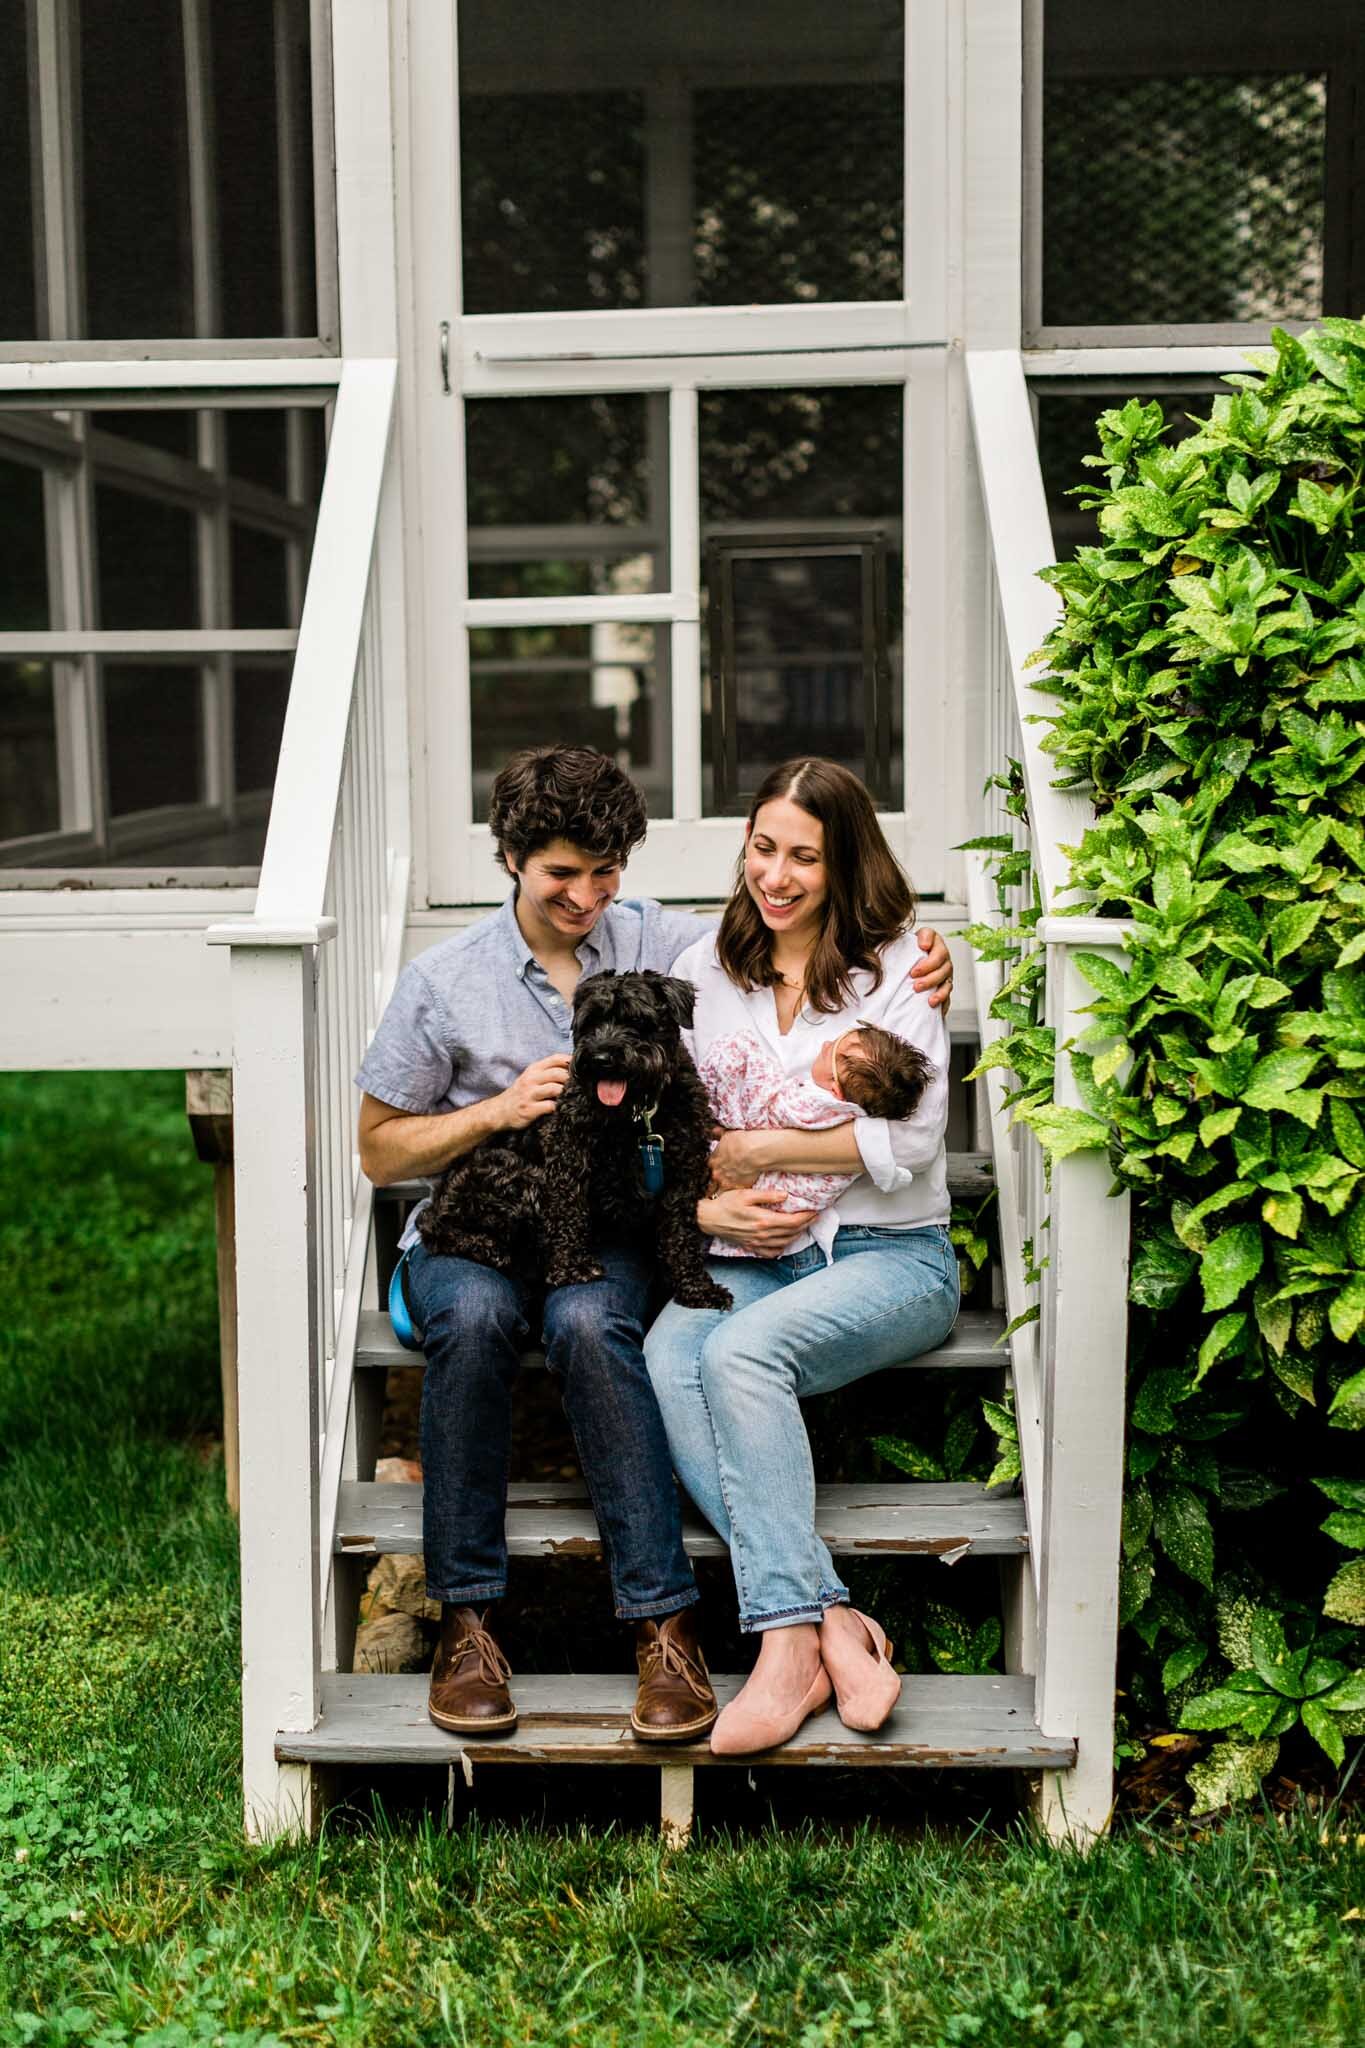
(652, 1164)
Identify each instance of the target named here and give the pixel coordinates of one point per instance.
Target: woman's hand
(735, 1163)
(754, 1219)
(933, 975)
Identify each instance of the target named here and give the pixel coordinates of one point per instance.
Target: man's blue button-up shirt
(468, 1015)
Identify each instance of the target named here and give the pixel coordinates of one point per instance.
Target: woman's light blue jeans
(729, 1383)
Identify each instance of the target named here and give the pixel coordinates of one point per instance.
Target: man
(477, 1040)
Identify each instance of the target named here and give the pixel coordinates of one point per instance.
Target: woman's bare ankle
(788, 1655)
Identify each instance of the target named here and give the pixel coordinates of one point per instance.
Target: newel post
(274, 981)
(1084, 1349)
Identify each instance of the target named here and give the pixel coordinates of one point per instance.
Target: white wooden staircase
(986, 1721)
(311, 971)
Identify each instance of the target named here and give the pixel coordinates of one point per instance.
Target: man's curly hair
(572, 793)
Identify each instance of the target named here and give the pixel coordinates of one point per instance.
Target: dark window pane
(560, 496)
(1183, 198)
(28, 750)
(552, 190)
(260, 697)
(801, 652)
(18, 321)
(248, 182)
(784, 455)
(552, 461)
(680, 156)
(23, 550)
(800, 192)
(260, 589)
(256, 447)
(153, 733)
(135, 150)
(597, 686)
(171, 431)
(147, 561)
(135, 165)
(775, 463)
(798, 605)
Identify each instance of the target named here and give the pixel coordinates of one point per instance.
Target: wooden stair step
(972, 1342)
(584, 1718)
(969, 1173)
(555, 1519)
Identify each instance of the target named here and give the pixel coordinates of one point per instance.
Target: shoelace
(494, 1668)
(663, 1653)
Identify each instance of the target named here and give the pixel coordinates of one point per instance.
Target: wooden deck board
(972, 1343)
(942, 1722)
(554, 1519)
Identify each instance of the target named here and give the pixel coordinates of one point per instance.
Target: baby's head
(883, 1074)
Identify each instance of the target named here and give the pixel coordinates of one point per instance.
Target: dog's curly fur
(534, 1201)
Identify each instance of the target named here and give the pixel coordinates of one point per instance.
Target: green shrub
(1209, 668)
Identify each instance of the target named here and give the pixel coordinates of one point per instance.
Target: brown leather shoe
(469, 1678)
(673, 1700)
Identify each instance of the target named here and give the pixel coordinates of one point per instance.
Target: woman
(816, 937)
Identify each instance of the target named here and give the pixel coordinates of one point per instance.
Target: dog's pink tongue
(612, 1093)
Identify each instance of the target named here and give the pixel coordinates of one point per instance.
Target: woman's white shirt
(905, 1178)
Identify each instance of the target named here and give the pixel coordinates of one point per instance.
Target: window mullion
(81, 608)
(215, 609)
(68, 680)
(56, 34)
(199, 110)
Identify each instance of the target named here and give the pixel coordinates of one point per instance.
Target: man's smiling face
(562, 891)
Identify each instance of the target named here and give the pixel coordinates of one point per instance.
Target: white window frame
(1340, 58)
(680, 352)
(55, 129)
(72, 458)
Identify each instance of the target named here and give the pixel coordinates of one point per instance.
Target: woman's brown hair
(870, 901)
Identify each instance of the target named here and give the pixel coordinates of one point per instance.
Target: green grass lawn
(131, 1910)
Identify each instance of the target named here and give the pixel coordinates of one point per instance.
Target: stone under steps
(548, 1519)
(584, 1718)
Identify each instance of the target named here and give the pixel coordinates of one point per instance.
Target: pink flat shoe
(866, 1687)
(742, 1730)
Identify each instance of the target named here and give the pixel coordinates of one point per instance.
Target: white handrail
(1021, 545)
(1069, 1370)
(311, 970)
(298, 847)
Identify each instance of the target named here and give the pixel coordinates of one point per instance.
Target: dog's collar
(651, 1149)
(646, 1115)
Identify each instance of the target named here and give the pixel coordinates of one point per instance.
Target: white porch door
(702, 536)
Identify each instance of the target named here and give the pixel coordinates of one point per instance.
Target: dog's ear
(590, 985)
(681, 998)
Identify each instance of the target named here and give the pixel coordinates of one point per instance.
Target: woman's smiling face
(784, 868)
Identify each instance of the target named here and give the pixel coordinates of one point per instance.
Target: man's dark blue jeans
(477, 1323)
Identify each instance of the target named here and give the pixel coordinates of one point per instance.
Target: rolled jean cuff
(651, 1610)
(789, 1617)
(468, 1596)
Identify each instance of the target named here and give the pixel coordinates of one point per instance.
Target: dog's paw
(702, 1293)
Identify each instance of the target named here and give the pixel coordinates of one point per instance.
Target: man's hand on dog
(755, 1219)
(535, 1092)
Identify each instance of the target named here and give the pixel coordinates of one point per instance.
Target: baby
(865, 1071)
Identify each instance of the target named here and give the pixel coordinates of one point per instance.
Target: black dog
(622, 1159)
